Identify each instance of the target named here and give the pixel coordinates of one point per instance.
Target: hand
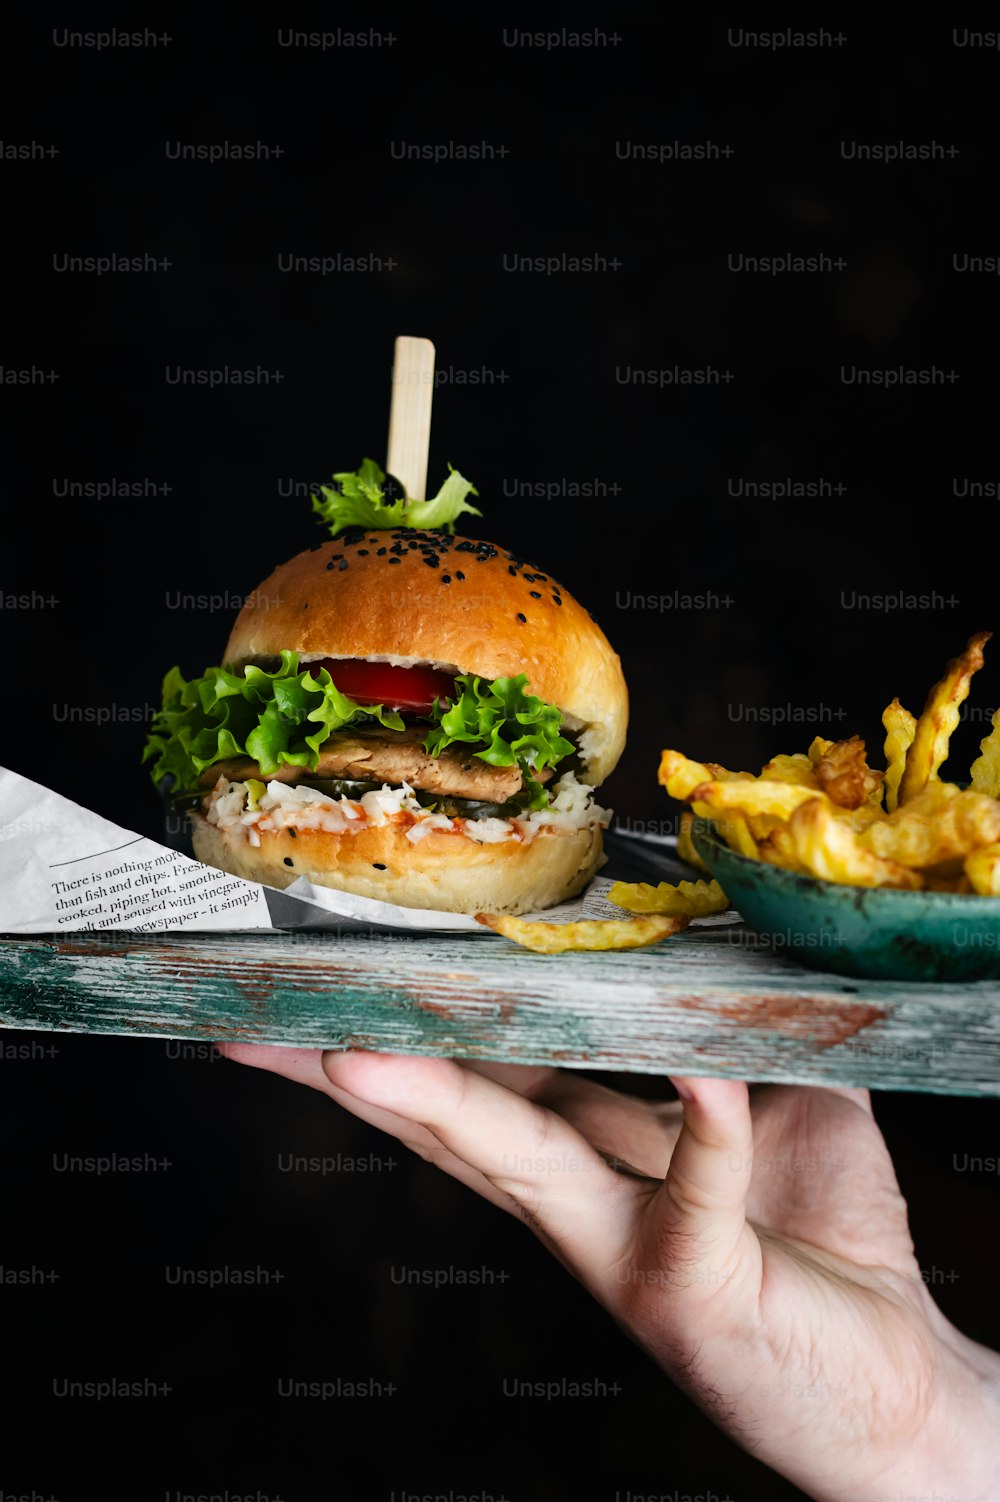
(757, 1248)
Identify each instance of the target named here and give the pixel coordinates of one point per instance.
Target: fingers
(695, 1226)
(630, 1133)
(528, 1139)
(860, 1098)
(578, 1205)
(305, 1067)
(527, 1079)
(299, 1064)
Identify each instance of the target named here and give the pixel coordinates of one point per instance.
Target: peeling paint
(701, 1007)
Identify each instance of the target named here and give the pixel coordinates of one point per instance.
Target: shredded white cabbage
(286, 806)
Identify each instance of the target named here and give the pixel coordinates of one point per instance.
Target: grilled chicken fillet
(393, 756)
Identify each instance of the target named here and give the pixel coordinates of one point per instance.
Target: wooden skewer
(410, 414)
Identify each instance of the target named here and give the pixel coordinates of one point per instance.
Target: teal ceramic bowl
(875, 932)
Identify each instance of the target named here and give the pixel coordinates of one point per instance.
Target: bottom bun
(445, 871)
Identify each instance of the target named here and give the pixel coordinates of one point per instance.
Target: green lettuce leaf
(267, 716)
(512, 726)
(357, 500)
(282, 718)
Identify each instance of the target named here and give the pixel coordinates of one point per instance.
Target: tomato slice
(412, 689)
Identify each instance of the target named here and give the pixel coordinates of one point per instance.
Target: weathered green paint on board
(709, 1001)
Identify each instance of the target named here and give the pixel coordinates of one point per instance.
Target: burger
(403, 713)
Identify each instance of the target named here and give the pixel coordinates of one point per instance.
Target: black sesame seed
(362, 552)
(343, 565)
(445, 578)
(557, 599)
(393, 560)
(377, 866)
(335, 556)
(381, 553)
(459, 574)
(288, 860)
(523, 618)
(293, 834)
(330, 564)
(511, 569)
(534, 594)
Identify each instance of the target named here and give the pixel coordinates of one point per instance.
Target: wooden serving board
(711, 1000)
(708, 1001)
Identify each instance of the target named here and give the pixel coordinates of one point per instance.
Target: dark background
(537, 392)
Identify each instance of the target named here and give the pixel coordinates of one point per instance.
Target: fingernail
(681, 1086)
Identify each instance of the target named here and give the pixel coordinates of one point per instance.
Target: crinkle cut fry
(939, 719)
(593, 933)
(827, 848)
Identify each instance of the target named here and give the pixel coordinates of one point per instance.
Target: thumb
(697, 1226)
